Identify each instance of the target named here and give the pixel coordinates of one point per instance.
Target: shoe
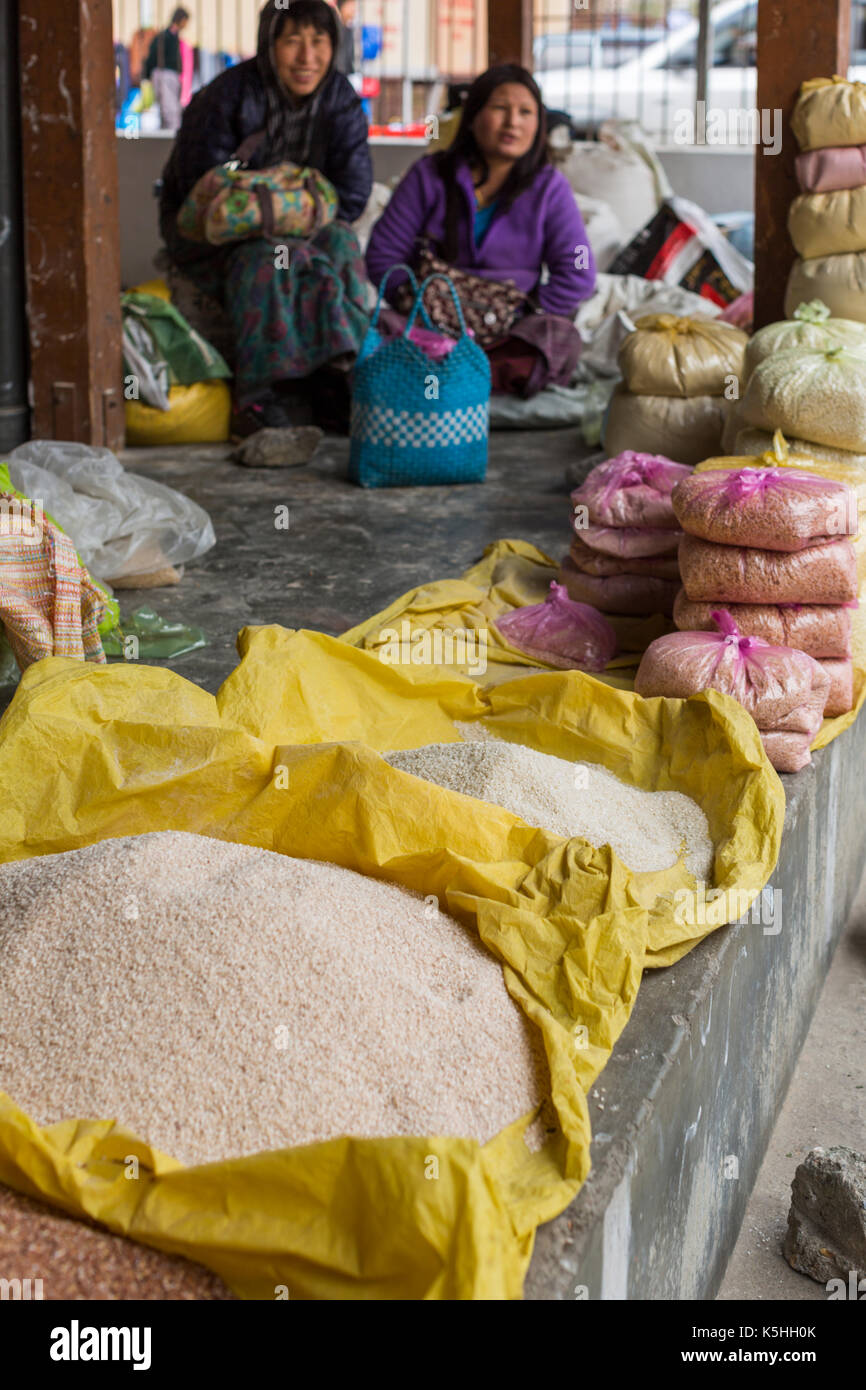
(267, 413)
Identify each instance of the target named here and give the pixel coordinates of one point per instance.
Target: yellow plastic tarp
(124, 750)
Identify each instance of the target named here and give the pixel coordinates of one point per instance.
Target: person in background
(492, 205)
(306, 113)
(348, 10)
(163, 67)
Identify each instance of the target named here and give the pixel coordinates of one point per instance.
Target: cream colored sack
(811, 328)
(829, 111)
(820, 396)
(828, 224)
(685, 429)
(670, 356)
(840, 281)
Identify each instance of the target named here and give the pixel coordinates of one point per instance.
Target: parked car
(657, 82)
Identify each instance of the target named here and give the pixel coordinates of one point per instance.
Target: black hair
(303, 12)
(179, 16)
(465, 147)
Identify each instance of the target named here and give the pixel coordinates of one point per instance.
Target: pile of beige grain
(219, 999)
(647, 830)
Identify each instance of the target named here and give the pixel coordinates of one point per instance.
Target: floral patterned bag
(234, 203)
(490, 307)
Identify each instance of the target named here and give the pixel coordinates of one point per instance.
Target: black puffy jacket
(232, 107)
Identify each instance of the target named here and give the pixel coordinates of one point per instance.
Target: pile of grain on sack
(219, 999)
(679, 383)
(770, 548)
(827, 222)
(623, 556)
(647, 830)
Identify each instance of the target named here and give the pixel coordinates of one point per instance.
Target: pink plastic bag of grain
(629, 542)
(771, 508)
(787, 752)
(823, 630)
(633, 594)
(823, 573)
(841, 696)
(560, 632)
(828, 170)
(631, 490)
(777, 685)
(590, 561)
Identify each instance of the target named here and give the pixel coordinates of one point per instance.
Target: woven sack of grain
(670, 356)
(812, 329)
(685, 429)
(839, 281)
(822, 630)
(829, 111)
(771, 508)
(749, 441)
(819, 395)
(634, 594)
(839, 166)
(828, 224)
(738, 574)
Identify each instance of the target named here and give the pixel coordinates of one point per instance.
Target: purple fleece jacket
(543, 226)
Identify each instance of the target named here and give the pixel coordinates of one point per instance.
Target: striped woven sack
(417, 422)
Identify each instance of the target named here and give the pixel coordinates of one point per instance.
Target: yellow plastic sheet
(125, 750)
(514, 574)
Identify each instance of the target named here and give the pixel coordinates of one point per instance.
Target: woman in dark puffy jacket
(288, 322)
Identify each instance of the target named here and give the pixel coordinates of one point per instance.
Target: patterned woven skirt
(288, 319)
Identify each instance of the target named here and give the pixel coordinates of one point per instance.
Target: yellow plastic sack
(829, 111)
(685, 429)
(840, 281)
(199, 414)
(828, 224)
(779, 455)
(671, 356)
(126, 750)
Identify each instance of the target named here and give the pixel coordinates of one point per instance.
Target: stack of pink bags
(623, 556)
(785, 691)
(773, 546)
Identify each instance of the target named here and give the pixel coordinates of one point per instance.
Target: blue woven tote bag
(417, 421)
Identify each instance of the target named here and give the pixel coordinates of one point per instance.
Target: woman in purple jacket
(493, 206)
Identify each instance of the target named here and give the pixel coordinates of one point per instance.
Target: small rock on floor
(279, 448)
(826, 1236)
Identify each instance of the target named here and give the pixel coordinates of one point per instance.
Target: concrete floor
(825, 1105)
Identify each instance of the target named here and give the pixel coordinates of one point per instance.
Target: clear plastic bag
(771, 508)
(841, 695)
(596, 562)
(824, 573)
(822, 630)
(631, 490)
(561, 632)
(120, 523)
(672, 356)
(633, 594)
(780, 687)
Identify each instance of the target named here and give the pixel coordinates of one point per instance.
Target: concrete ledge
(697, 1079)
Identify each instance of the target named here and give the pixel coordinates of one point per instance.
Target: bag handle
(400, 265)
(419, 302)
(247, 148)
